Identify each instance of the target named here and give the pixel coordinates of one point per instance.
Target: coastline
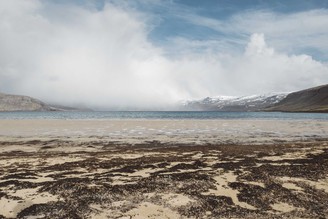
(278, 173)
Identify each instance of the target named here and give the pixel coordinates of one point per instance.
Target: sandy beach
(217, 131)
(163, 169)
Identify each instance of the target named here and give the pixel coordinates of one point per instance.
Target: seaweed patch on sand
(57, 178)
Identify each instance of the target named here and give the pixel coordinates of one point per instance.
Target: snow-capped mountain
(235, 103)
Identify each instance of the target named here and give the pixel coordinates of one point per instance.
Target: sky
(152, 54)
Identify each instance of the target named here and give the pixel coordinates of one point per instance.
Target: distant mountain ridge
(235, 103)
(310, 100)
(9, 102)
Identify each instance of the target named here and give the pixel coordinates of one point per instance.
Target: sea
(167, 115)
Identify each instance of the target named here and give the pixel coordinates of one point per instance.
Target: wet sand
(179, 131)
(53, 175)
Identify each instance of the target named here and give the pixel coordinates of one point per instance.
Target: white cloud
(79, 55)
(257, 46)
(265, 70)
(291, 32)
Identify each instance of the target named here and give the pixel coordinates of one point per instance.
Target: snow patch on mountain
(235, 103)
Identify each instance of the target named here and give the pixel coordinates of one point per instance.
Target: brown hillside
(309, 100)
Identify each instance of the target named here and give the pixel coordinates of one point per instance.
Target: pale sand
(152, 211)
(10, 208)
(188, 131)
(284, 207)
(222, 189)
(292, 186)
(144, 209)
(321, 184)
(256, 183)
(176, 200)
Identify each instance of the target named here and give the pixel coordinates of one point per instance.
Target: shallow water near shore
(163, 115)
(189, 131)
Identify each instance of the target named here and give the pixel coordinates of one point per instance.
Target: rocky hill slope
(309, 100)
(10, 102)
(21, 103)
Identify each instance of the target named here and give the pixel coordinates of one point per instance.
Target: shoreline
(174, 131)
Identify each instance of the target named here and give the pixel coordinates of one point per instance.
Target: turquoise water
(163, 115)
